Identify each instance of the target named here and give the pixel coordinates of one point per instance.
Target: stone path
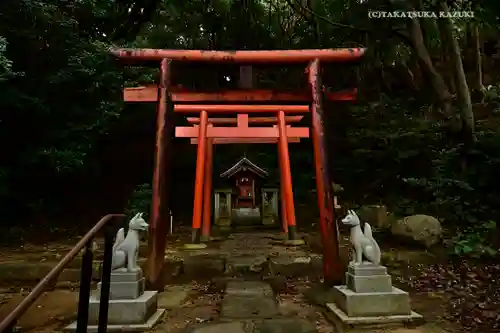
(234, 298)
(238, 254)
(251, 307)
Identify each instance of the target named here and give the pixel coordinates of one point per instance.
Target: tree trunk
(467, 122)
(425, 61)
(416, 69)
(476, 81)
(448, 71)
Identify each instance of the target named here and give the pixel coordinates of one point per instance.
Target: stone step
(280, 325)
(251, 307)
(238, 307)
(248, 300)
(193, 267)
(249, 289)
(28, 273)
(216, 265)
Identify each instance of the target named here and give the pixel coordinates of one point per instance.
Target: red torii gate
(242, 131)
(165, 94)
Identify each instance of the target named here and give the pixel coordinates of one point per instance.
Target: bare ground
(457, 296)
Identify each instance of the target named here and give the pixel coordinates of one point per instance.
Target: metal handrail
(85, 242)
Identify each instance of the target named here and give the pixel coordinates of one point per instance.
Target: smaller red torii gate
(205, 132)
(280, 133)
(242, 121)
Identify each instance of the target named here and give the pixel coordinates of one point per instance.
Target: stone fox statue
(362, 242)
(126, 249)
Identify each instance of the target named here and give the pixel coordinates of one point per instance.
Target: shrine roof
(244, 164)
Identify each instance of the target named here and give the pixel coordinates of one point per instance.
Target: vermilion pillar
(207, 197)
(200, 178)
(158, 224)
(284, 222)
(332, 267)
(287, 176)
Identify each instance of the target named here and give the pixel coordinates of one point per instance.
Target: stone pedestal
(370, 298)
(131, 309)
(270, 204)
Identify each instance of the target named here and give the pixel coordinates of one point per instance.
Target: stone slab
(126, 311)
(369, 284)
(250, 263)
(296, 264)
(149, 324)
(342, 317)
(268, 220)
(396, 302)
(234, 327)
(294, 242)
(366, 269)
(195, 246)
(126, 276)
(203, 265)
(244, 307)
(173, 297)
(249, 289)
(124, 290)
(284, 325)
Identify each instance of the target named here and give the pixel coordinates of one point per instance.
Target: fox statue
(363, 242)
(126, 249)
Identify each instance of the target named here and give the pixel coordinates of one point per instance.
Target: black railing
(8, 324)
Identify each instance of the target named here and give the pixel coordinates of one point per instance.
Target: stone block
(291, 265)
(126, 311)
(243, 264)
(203, 266)
(173, 297)
(143, 327)
(345, 323)
(234, 327)
(123, 290)
(244, 307)
(366, 269)
(285, 325)
(194, 246)
(126, 276)
(369, 284)
(396, 302)
(249, 289)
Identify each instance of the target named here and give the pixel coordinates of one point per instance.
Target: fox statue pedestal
(131, 309)
(368, 297)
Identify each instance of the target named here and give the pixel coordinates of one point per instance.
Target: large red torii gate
(205, 133)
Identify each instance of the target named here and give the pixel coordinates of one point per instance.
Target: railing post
(106, 280)
(82, 319)
(13, 329)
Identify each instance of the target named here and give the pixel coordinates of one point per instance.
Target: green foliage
(5, 63)
(140, 201)
(476, 242)
(60, 102)
(406, 161)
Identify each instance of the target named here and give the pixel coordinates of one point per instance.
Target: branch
(396, 33)
(313, 14)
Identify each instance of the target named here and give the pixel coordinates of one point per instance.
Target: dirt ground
(51, 311)
(456, 296)
(57, 309)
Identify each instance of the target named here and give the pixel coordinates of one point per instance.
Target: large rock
(420, 229)
(376, 215)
